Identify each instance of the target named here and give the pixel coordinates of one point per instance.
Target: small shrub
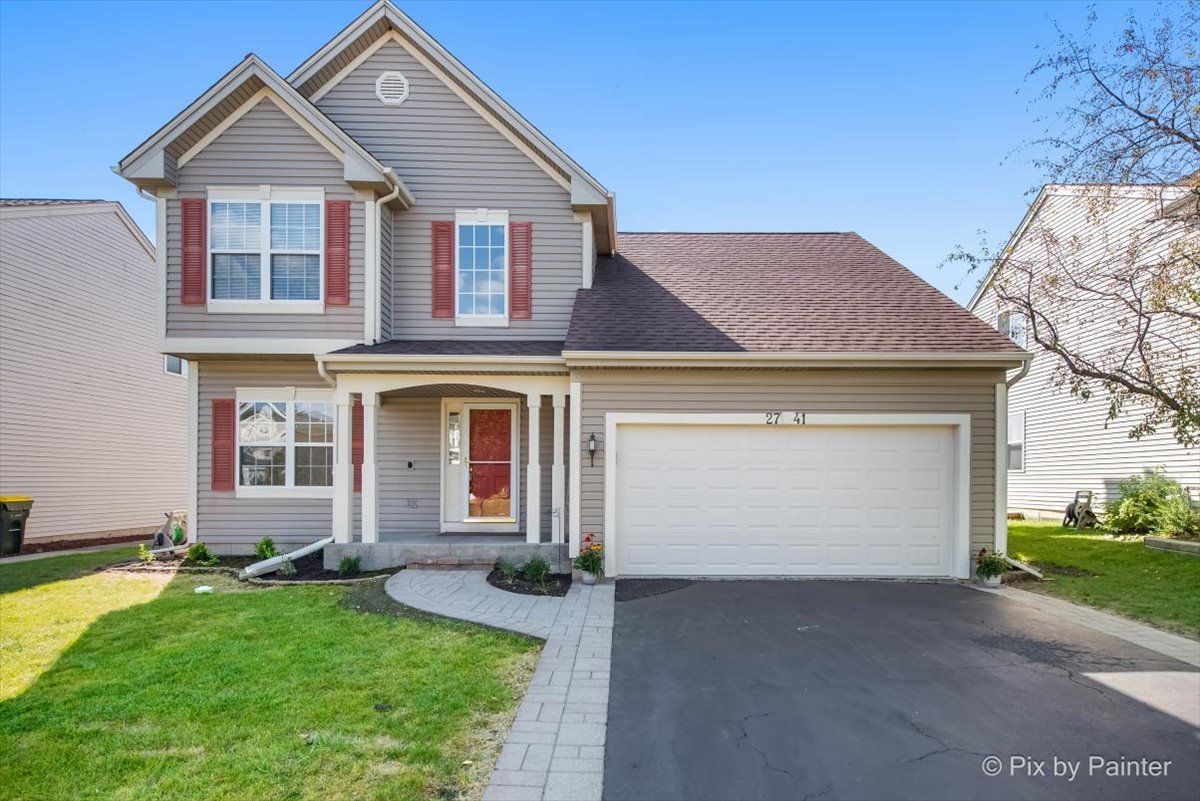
(536, 569)
(507, 570)
(198, 554)
(266, 548)
(144, 555)
(990, 563)
(287, 568)
(350, 566)
(1152, 504)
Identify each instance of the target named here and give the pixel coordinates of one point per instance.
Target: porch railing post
(558, 488)
(343, 475)
(533, 475)
(370, 506)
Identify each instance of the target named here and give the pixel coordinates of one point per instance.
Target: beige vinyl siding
(225, 520)
(971, 392)
(265, 147)
(451, 158)
(92, 427)
(1069, 443)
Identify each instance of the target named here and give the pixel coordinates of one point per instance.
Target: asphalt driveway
(840, 689)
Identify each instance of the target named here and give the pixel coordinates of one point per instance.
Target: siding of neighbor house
(409, 429)
(91, 425)
(451, 158)
(1069, 443)
(966, 391)
(264, 147)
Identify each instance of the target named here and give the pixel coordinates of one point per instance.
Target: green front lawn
(118, 685)
(1125, 577)
(19, 575)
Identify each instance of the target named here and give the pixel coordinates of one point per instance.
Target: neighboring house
(414, 326)
(93, 417)
(1059, 444)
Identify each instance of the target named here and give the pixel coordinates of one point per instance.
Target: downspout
(377, 252)
(1024, 371)
(276, 562)
(330, 380)
(1021, 373)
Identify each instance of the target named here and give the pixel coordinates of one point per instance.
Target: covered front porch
(451, 468)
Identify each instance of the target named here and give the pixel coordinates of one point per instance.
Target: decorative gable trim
(559, 176)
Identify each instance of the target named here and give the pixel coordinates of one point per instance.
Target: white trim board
(961, 555)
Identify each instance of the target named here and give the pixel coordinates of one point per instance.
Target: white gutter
(276, 562)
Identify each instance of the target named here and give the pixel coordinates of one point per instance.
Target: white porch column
(370, 506)
(343, 474)
(558, 489)
(575, 437)
(533, 474)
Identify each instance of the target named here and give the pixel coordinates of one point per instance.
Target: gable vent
(391, 88)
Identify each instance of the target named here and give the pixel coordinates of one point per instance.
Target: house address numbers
(785, 418)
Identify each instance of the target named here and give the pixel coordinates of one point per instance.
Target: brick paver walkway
(555, 750)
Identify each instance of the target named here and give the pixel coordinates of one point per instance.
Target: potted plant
(990, 565)
(590, 560)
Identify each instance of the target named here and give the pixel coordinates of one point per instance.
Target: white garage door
(696, 500)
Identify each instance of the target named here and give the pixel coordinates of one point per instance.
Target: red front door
(489, 463)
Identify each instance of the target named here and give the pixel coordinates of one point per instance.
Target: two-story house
(1058, 443)
(414, 327)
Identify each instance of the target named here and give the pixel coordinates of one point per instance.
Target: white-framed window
(265, 249)
(1013, 324)
(285, 443)
(481, 267)
(1016, 441)
(175, 365)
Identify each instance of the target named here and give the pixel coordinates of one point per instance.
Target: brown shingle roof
(44, 201)
(802, 293)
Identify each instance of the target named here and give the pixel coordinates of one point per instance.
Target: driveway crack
(745, 735)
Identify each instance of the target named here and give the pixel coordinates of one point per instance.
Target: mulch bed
(557, 584)
(68, 545)
(308, 568)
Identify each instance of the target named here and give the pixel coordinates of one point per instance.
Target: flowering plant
(591, 557)
(990, 563)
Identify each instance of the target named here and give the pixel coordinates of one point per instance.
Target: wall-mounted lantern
(591, 446)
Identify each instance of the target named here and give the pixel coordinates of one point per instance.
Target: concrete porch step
(451, 563)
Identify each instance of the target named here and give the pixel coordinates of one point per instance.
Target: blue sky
(892, 119)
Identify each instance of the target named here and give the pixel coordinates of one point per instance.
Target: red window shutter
(223, 444)
(195, 245)
(337, 252)
(356, 441)
(443, 269)
(520, 260)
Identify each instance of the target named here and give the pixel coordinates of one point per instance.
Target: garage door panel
(775, 500)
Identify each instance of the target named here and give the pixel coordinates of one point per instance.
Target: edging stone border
(1188, 547)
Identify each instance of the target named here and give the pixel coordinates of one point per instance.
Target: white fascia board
(400, 363)
(192, 347)
(835, 359)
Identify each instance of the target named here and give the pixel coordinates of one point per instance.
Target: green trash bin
(14, 511)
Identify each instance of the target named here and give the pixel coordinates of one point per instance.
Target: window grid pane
(482, 272)
(235, 226)
(314, 466)
(295, 226)
(295, 277)
(262, 422)
(263, 466)
(314, 422)
(236, 276)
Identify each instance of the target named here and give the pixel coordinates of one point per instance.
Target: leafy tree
(1118, 113)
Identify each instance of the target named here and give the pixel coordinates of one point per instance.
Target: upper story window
(265, 250)
(481, 267)
(1013, 324)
